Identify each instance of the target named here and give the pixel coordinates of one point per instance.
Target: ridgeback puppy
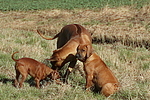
(97, 72)
(69, 38)
(39, 71)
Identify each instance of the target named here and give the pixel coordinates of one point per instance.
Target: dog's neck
(66, 49)
(90, 58)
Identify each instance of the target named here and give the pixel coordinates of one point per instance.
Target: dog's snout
(77, 55)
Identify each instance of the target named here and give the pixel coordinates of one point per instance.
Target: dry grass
(129, 26)
(115, 28)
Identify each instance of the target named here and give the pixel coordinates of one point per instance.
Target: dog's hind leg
(17, 78)
(24, 76)
(108, 89)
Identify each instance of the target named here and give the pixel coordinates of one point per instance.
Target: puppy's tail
(13, 56)
(47, 37)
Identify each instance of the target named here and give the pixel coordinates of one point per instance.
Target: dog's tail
(13, 56)
(47, 37)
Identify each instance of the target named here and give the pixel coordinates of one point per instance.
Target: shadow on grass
(127, 41)
(7, 80)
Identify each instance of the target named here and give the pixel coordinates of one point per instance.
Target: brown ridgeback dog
(97, 72)
(69, 38)
(37, 70)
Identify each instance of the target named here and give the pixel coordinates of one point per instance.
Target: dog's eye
(82, 50)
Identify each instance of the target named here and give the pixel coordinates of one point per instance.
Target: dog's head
(55, 60)
(54, 75)
(83, 52)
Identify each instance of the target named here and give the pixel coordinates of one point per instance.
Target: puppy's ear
(89, 50)
(54, 75)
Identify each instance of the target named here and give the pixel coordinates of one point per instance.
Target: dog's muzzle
(79, 57)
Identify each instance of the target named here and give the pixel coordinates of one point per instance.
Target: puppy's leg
(37, 82)
(109, 89)
(24, 76)
(58, 82)
(17, 78)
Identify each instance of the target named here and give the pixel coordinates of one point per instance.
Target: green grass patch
(4, 58)
(128, 95)
(146, 66)
(126, 54)
(2, 76)
(12, 93)
(92, 22)
(9, 5)
(44, 44)
(30, 40)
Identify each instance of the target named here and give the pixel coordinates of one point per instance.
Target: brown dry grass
(123, 24)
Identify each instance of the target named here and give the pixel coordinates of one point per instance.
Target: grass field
(7, 5)
(121, 37)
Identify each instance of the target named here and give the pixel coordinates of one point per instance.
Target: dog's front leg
(68, 71)
(65, 77)
(37, 82)
(58, 82)
(89, 82)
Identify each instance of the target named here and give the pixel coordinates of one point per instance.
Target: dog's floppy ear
(55, 50)
(54, 59)
(89, 50)
(54, 75)
(51, 59)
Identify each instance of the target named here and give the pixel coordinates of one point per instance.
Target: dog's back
(29, 65)
(37, 70)
(71, 31)
(103, 68)
(66, 33)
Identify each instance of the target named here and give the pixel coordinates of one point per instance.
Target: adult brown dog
(97, 73)
(37, 70)
(69, 38)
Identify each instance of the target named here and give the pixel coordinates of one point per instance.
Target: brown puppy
(68, 40)
(37, 70)
(97, 73)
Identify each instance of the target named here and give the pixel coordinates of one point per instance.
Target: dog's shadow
(7, 80)
(96, 89)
